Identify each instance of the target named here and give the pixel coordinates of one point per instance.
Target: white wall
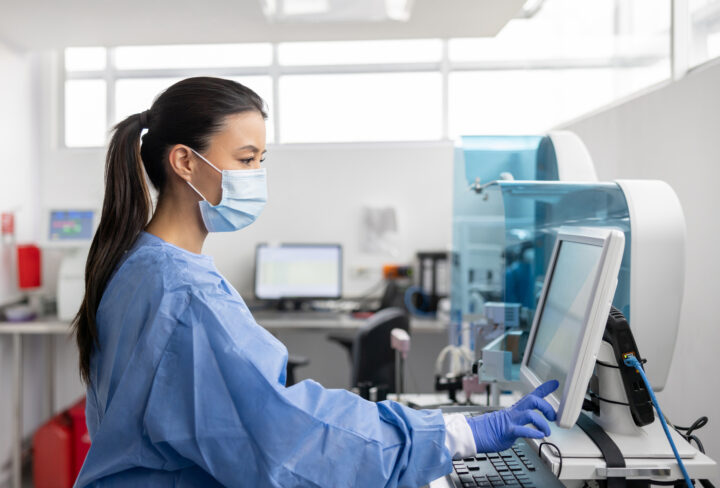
(673, 134)
(18, 173)
(316, 194)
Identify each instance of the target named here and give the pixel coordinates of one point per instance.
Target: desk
(323, 321)
(305, 334)
(17, 330)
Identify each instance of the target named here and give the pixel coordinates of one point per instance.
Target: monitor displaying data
(298, 271)
(70, 225)
(562, 321)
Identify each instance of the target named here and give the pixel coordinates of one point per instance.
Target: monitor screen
(298, 271)
(562, 321)
(71, 225)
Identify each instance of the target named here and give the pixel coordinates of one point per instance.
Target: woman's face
(240, 145)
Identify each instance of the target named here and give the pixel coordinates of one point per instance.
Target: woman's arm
(218, 400)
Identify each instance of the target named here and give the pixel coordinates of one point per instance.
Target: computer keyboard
(517, 467)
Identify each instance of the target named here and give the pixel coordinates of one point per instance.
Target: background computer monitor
(69, 227)
(298, 271)
(571, 316)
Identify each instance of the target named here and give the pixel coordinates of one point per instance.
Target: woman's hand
(497, 431)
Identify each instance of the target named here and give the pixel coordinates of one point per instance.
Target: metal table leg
(17, 440)
(50, 376)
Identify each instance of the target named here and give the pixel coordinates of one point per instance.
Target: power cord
(632, 361)
(559, 455)
(687, 432)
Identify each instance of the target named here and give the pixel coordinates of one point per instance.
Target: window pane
(85, 58)
(133, 95)
(193, 56)
(359, 52)
(632, 30)
(85, 114)
(262, 85)
(137, 94)
(705, 29)
(523, 102)
(365, 107)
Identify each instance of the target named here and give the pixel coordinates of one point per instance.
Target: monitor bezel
(296, 245)
(46, 242)
(568, 403)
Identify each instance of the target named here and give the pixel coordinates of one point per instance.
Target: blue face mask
(244, 194)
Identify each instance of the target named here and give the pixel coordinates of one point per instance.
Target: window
(363, 107)
(705, 30)
(571, 57)
(561, 61)
(359, 52)
(85, 113)
(193, 56)
(85, 58)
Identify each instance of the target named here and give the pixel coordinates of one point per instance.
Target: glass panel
(262, 85)
(193, 56)
(579, 30)
(85, 114)
(705, 30)
(133, 95)
(137, 94)
(533, 101)
(85, 58)
(359, 52)
(365, 107)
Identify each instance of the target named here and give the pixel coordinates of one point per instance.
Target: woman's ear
(181, 161)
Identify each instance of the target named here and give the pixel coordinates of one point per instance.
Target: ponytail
(189, 112)
(125, 212)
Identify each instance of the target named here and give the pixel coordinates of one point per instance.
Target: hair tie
(145, 119)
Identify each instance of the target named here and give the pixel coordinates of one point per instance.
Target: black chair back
(373, 358)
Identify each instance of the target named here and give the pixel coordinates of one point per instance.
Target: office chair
(293, 363)
(371, 357)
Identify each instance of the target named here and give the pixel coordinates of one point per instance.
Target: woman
(183, 387)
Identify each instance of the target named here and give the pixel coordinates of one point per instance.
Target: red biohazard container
(53, 454)
(29, 266)
(80, 436)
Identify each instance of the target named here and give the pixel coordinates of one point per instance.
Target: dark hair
(189, 112)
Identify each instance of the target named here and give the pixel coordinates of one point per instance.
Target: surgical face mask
(244, 194)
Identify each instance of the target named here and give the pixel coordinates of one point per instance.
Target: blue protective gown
(188, 390)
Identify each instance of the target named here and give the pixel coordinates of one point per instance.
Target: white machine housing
(657, 272)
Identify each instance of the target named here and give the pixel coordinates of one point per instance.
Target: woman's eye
(247, 161)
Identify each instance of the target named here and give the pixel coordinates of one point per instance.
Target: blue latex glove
(497, 431)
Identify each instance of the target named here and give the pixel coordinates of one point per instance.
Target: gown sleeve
(218, 400)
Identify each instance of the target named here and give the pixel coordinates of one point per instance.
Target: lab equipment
(188, 384)
(29, 266)
(71, 230)
(70, 227)
(497, 431)
(504, 228)
(492, 262)
(298, 272)
(571, 315)
(433, 279)
(400, 343)
(244, 195)
(520, 221)
(518, 466)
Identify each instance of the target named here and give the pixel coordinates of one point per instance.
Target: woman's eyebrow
(251, 147)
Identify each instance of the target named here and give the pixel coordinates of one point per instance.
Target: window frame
(678, 60)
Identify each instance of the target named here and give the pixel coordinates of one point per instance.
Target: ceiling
(41, 24)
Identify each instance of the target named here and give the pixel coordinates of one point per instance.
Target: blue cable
(411, 307)
(634, 363)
